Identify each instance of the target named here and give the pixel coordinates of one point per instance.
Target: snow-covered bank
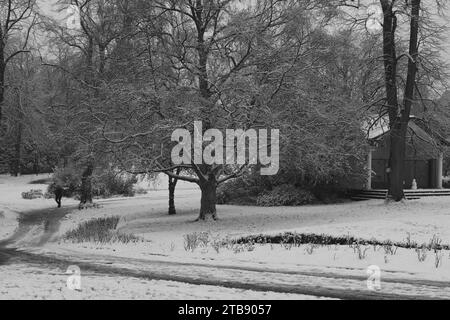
(25, 282)
(393, 262)
(418, 220)
(164, 235)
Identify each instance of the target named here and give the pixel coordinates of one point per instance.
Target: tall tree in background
(17, 18)
(410, 34)
(85, 63)
(399, 111)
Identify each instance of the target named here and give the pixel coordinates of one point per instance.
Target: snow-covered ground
(25, 282)
(146, 216)
(8, 222)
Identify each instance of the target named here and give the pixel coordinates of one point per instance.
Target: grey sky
(49, 7)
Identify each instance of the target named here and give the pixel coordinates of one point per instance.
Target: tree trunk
(102, 58)
(399, 121)
(172, 185)
(2, 88)
(19, 137)
(36, 163)
(2, 77)
(208, 200)
(18, 151)
(397, 160)
(90, 74)
(86, 185)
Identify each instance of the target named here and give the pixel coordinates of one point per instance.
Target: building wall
(420, 164)
(416, 149)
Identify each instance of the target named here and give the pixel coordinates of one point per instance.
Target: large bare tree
(215, 57)
(17, 18)
(410, 37)
(399, 109)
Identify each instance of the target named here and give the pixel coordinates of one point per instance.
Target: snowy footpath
(35, 261)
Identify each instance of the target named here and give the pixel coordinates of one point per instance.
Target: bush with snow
(100, 230)
(33, 194)
(285, 195)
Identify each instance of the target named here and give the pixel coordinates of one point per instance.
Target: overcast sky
(49, 7)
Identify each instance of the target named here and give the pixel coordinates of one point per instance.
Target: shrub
(285, 195)
(32, 194)
(102, 230)
(108, 183)
(42, 181)
(329, 193)
(111, 183)
(238, 191)
(303, 238)
(49, 195)
(194, 240)
(140, 190)
(66, 178)
(247, 189)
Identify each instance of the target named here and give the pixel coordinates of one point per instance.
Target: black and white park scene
(224, 149)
